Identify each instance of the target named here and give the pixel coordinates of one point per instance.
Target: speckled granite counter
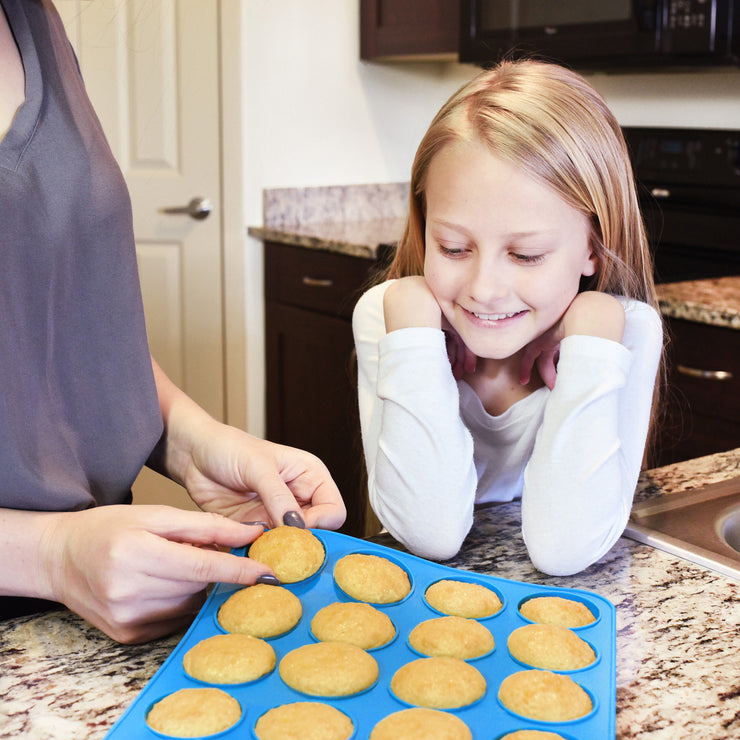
(715, 301)
(678, 631)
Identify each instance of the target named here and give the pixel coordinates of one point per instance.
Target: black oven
(689, 186)
(602, 34)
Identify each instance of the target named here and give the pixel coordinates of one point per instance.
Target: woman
(82, 404)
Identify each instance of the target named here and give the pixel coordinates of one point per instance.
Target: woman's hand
(230, 472)
(246, 478)
(591, 313)
(140, 572)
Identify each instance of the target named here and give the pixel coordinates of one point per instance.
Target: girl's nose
(487, 282)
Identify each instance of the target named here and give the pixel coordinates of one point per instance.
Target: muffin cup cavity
(573, 596)
(378, 604)
(219, 733)
(475, 582)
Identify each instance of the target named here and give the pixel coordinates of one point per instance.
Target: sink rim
(687, 524)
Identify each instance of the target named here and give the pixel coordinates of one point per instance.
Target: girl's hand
(246, 478)
(592, 314)
(462, 360)
(409, 302)
(140, 572)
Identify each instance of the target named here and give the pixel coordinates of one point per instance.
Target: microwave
(602, 34)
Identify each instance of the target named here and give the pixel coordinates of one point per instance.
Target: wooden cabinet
(702, 405)
(311, 370)
(409, 29)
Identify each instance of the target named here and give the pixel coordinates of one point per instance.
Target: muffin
(229, 659)
(194, 712)
(304, 720)
(558, 611)
(294, 554)
(329, 669)
(544, 696)
(438, 683)
(463, 599)
(420, 723)
(551, 647)
(371, 578)
(356, 623)
(451, 637)
(260, 611)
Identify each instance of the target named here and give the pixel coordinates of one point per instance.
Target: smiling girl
(512, 350)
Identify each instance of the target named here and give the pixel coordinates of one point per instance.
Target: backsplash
(340, 203)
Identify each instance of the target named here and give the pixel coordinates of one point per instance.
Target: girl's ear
(591, 263)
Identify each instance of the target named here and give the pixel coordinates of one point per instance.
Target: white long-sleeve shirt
(572, 454)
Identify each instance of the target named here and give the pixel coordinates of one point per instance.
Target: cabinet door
(312, 397)
(394, 29)
(702, 414)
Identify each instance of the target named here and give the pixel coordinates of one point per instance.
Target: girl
(513, 349)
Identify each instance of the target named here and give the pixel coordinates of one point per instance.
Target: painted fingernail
(294, 519)
(268, 580)
(257, 524)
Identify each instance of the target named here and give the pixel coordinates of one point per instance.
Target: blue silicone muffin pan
(487, 718)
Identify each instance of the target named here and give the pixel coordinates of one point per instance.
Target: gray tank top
(78, 405)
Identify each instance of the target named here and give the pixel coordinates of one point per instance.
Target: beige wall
(314, 114)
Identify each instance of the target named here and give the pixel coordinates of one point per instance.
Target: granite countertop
(715, 301)
(678, 626)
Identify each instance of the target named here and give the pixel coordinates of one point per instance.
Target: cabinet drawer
(310, 278)
(705, 366)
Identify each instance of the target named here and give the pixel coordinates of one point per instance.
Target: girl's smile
(504, 253)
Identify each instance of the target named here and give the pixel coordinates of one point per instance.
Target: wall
(314, 114)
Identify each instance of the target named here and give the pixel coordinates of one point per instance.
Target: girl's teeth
(493, 316)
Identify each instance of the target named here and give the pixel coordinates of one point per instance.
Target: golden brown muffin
(329, 669)
(371, 578)
(260, 611)
(451, 637)
(294, 554)
(549, 646)
(353, 622)
(532, 735)
(463, 599)
(545, 696)
(438, 683)
(304, 720)
(420, 723)
(194, 712)
(229, 659)
(557, 610)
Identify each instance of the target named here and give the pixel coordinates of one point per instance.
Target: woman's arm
(135, 572)
(419, 455)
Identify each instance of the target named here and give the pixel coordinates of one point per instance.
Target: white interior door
(151, 68)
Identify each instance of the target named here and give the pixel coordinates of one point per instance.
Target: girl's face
(503, 253)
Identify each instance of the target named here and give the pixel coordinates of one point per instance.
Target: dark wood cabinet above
(409, 29)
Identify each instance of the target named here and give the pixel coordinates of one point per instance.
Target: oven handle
(694, 372)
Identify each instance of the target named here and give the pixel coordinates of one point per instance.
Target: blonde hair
(549, 122)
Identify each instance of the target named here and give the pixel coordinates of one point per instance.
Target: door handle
(198, 208)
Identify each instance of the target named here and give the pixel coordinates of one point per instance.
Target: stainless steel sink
(702, 526)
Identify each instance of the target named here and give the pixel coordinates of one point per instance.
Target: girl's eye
(528, 259)
(451, 251)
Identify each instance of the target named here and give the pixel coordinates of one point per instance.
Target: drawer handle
(694, 372)
(317, 282)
